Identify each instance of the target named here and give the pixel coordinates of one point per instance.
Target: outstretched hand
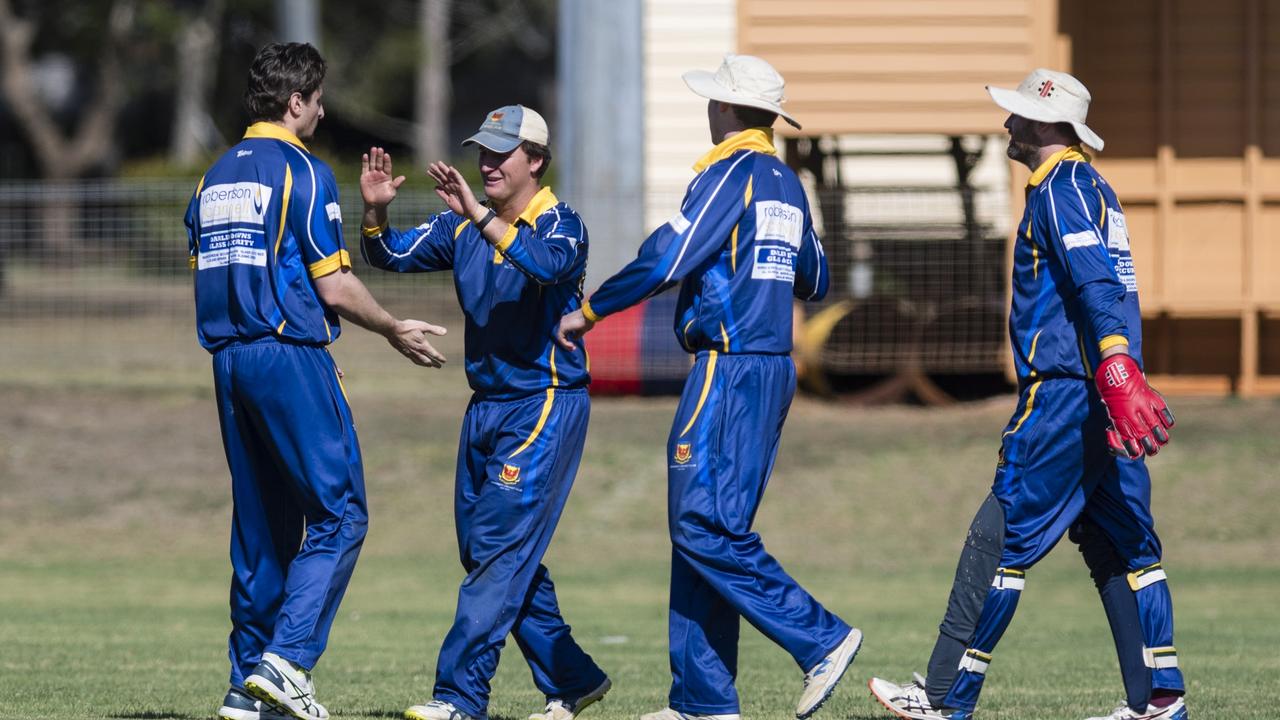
(378, 185)
(453, 189)
(410, 338)
(572, 326)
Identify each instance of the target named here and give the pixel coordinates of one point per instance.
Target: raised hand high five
(453, 189)
(378, 185)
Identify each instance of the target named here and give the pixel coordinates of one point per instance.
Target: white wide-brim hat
(742, 80)
(1050, 96)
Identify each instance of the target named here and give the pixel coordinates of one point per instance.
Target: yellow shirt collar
(758, 139)
(543, 201)
(1072, 153)
(273, 131)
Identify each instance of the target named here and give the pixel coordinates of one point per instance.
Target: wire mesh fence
(94, 275)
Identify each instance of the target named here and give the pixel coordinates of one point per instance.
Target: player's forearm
(1101, 304)
(374, 219)
(347, 295)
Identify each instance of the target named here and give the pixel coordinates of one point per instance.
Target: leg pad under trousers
(978, 563)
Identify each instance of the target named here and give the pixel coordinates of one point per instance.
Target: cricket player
(1071, 457)
(518, 265)
(742, 246)
(272, 277)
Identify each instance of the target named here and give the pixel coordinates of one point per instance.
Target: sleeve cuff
(1111, 341)
(507, 238)
(589, 313)
(340, 259)
(370, 232)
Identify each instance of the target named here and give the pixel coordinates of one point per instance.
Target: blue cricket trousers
(297, 484)
(721, 451)
(1055, 474)
(516, 464)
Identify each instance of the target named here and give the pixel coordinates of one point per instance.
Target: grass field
(114, 509)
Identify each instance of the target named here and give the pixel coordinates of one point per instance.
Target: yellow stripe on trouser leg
(542, 420)
(706, 388)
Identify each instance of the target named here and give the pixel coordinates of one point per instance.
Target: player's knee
(355, 523)
(1099, 554)
(986, 532)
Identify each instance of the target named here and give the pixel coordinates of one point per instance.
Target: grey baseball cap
(505, 128)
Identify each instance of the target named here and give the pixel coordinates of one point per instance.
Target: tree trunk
(93, 141)
(197, 56)
(434, 90)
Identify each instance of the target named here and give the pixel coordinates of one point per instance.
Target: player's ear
(294, 106)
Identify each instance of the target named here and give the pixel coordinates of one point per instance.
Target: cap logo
(496, 116)
(1046, 88)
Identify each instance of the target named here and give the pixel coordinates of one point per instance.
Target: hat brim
(704, 83)
(493, 141)
(1018, 104)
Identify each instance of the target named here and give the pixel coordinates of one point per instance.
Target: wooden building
(1186, 94)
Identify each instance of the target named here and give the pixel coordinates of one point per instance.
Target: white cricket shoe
(910, 700)
(565, 709)
(822, 678)
(1176, 711)
(239, 705)
(285, 684)
(437, 710)
(669, 714)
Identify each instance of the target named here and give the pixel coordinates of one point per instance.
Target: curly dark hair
(279, 70)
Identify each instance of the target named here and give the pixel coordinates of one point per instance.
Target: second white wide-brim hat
(1050, 96)
(742, 80)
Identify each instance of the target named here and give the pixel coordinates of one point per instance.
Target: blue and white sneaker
(239, 705)
(438, 710)
(910, 701)
(1176, 711)
(822, 678)
(287, 685)
(568, 709)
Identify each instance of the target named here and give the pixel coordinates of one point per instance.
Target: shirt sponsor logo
(234, 203)
(334, 212)
(233, 255)
(774, 262)
(1081, 239)
(779, 221)
(1117, 231)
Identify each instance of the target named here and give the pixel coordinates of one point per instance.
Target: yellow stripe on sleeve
(1111, 341)
(588, 312)
(336, 261)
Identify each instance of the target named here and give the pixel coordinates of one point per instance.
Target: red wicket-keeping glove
(1140, 419)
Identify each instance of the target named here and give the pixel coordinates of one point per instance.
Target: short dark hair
(278, 71)
(754, 117)
(535, 151)
(1068, 130)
